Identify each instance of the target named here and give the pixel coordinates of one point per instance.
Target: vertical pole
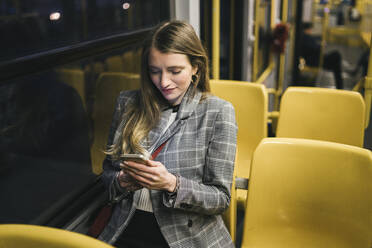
(256, 41)
(272, 13)
(272, 26)
(368, 86)
(232, 40)
(298, 38)
(216, 39)
(281, 60)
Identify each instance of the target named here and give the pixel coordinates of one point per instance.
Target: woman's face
(171, 73)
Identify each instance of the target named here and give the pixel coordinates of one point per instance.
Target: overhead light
(126, 5)
(54, 16)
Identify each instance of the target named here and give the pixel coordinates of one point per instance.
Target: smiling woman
(184, 189)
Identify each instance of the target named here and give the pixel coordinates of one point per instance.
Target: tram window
(44, 146)
(31, 26)
(47, 132)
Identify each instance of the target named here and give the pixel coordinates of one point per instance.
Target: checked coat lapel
(159, 135)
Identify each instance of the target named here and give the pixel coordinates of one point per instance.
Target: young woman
(175, 200)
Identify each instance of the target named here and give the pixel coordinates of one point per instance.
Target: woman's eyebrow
(169, 67)
(176, 67)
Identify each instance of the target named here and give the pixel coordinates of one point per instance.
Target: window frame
(43, 61)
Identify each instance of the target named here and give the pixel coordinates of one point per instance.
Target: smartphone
(138, 158)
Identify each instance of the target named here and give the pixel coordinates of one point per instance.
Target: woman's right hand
(127, 182)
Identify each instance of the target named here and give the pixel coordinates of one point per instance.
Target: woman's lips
(167, 91)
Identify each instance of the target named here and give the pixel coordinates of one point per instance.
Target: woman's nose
(164, 80)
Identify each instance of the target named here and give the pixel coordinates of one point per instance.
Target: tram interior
(57, 94)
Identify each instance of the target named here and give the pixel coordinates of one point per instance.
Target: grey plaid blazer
(200, 148)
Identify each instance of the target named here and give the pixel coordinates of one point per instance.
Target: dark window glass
(53, 130)
(29, 26)
(54, 124)
(44, 142)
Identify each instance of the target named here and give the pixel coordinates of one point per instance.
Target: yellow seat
(94, 68)
(322, 114)
(251, 105)
(132, 61)
(98, 67)
(74, 78)
(114, 64)
(128, 61)
(31, 236)
(230, 215)
(308, 193)
(109, 85)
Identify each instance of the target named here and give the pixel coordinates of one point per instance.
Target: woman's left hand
(152, 175)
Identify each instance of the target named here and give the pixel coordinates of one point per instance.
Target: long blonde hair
(142, 115)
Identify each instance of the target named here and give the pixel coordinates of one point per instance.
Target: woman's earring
(194, 78)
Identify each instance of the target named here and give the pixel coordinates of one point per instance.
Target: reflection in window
(52, 133)
(44, 142)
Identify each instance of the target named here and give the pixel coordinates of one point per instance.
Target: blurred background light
(126, 5)
(55, 16)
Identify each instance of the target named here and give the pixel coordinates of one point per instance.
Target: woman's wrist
(173, 183)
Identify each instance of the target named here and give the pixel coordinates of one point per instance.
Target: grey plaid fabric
(200, 148)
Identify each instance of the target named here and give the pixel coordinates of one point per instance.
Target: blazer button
(189, 223)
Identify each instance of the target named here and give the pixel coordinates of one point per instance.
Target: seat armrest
(241, 183)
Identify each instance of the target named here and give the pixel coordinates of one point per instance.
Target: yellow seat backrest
(308, 193)
(322, 114)
(31, 236)
(251, 105)
(131, 61)
(98, 67)
(74, 78)
(114, 64)
(109, 85)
